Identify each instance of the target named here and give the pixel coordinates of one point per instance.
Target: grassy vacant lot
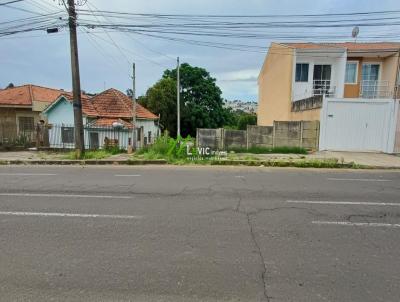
(174, 152)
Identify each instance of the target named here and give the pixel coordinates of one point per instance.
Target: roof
(350, 46)
(312, 46)
(27, 94)
(113, 103)
(109, 122)
(87, 106)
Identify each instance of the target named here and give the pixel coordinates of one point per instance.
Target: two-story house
(296, 76)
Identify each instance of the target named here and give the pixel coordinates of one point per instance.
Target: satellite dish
(355, 32)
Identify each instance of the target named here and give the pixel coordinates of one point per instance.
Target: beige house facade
(296, 76)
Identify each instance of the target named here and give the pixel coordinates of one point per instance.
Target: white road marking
(394, 204)
(69, 215)
(65, 195)
(360, 224)
(27, 174)
(360, 179)
(133, 175)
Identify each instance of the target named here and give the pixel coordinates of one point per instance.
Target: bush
(168, 148)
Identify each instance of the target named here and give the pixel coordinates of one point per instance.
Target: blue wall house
(107, 119)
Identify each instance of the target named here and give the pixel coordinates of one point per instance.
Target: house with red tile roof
(104, 114)
(20, 109)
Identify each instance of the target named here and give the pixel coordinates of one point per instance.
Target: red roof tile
(25, 95)
(109, 122)
(312, 46)
(350, 46)
(87, 106)
(115, 104)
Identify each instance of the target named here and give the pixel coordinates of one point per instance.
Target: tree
(246, 119)
(10, 85)
(161, 99)
(201, 100)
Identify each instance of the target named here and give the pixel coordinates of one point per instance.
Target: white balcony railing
(375, 89)
(323, 87)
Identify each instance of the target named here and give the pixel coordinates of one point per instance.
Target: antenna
(355, 32)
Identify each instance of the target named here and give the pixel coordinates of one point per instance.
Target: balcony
(323, 88)
(375, 89)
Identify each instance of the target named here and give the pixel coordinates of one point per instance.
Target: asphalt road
(198, 234)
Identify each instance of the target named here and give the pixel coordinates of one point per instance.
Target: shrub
(168, 148)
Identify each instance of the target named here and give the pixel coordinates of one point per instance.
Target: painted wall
(303, 90)
(274, 84)
(353, 90)
(61, 113)
(387, 73)
(149, 126)
(307, 115)
(389, 70)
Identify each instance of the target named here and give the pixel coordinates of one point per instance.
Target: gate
(358, 125)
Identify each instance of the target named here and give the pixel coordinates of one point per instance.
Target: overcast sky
(45, 60)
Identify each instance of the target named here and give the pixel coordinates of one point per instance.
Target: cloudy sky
(44, 59)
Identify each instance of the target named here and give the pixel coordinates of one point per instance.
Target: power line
(9, 2)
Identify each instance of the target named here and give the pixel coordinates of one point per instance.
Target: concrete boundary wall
(282, 134)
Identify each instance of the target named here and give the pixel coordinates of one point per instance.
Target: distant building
(245, 106)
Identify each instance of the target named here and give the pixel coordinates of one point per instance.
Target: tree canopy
(201, 100)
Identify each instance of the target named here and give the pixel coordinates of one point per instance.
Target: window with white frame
(351, 73)
(302, 72)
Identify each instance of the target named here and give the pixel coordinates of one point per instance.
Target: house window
(67, 135)
(351, 73)
(302, 72)
(26, 124)
(149, 137)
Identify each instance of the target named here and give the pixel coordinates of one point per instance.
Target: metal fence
(63, 137)
(10, 135)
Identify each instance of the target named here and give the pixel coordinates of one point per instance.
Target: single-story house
(107, 117)
(20, 109)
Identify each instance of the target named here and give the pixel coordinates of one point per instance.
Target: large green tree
(161, 99)
(201, 100)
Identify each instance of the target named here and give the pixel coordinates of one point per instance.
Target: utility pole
(76, 83)
(178, 99)
(134, 106)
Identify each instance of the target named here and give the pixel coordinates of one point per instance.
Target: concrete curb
(252, 163)
(84, 162)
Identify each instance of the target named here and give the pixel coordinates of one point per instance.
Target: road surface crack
(264, 267)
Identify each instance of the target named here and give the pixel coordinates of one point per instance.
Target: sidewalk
(369, 160)
(363, 158)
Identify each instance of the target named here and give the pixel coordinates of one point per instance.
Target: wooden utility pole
(76, 82)
(134, 106)
(178, 99)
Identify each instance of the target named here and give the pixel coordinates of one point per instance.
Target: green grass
(172, 150)
(97, 154)
(272, 150)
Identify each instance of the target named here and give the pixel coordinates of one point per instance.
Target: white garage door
(356, 125)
